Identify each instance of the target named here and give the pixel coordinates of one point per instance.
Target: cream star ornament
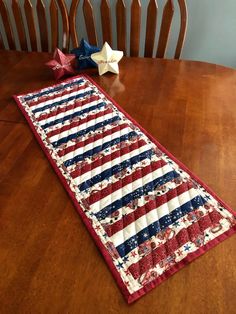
(107, 59)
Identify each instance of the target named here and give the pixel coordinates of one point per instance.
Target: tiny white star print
(107, 59)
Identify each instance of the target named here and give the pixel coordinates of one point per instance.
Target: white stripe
(47, 110)
(50, 91)
(59, 98)
(154, 215)
(69, 121)
(103, 184)
(87, 136)
(69, 112)
(124, 190)
(88, 175)
(182, 225)
(81, 127)
(82, 150)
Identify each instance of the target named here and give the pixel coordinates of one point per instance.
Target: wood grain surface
(135, 28)
(20, 24)
(121, 25)
(90, 22)
(48, 261)
(152, 12)
(106, 22)
(28, 8)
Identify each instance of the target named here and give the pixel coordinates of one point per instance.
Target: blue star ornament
(83, 55)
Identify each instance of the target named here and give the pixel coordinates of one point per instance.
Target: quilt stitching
(148, 212)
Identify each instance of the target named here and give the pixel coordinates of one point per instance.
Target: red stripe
(51, 97)
(141, 211)
(185, 235)
(131, 297)
(80, 122)
(91, 139)
(58, 110)
(104, 159)
(137, 174)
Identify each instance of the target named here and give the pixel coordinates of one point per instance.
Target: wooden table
(48, 262)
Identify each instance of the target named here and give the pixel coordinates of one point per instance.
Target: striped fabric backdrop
(147, 213)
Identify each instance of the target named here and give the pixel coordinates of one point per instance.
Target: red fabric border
(129, 297)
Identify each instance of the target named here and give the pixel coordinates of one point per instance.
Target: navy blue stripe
(106, 174)
(143, 190)
(73, 115)
(99, 148)
(159, 225)
(56, 103)
(52, 90)
(85, 131)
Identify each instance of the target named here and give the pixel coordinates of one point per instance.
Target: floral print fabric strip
(146, 211)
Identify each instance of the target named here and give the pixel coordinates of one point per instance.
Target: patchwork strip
(148, 214)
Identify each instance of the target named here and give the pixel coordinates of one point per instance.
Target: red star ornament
(61, 64)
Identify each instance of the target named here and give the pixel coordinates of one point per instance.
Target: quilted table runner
(148, 214)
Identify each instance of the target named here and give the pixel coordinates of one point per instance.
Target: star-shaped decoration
(120, 265)
(133, 254)
(187, 247)
(176, 224)
(105, 236)
(97, 228)
(61, 64)
(207, 197)
(107, 59)
(83, 55)
(125, 259)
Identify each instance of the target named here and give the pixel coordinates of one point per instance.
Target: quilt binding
(176, 267)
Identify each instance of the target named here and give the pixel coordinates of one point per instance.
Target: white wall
(210, 35)
(211, 32)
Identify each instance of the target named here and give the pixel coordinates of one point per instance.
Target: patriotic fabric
(148, 214)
